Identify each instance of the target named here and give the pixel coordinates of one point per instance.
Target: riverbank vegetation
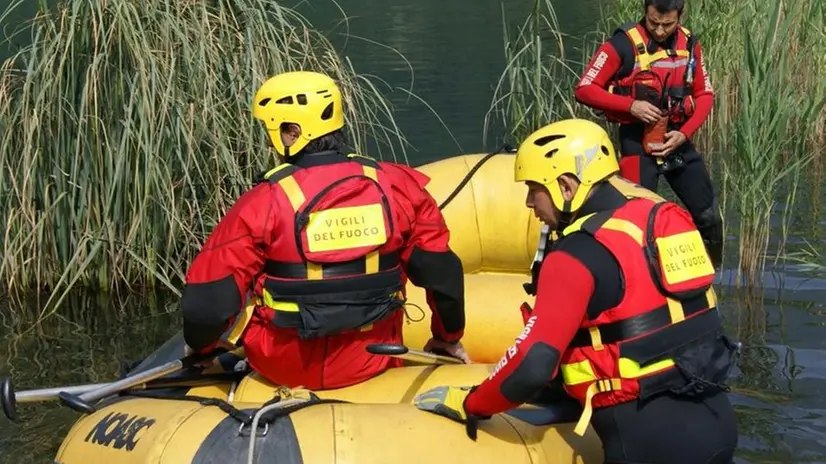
(126, 131)
(765, 138)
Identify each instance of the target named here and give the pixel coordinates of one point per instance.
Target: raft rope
(266, 409)
(244, 417)
(506, 148)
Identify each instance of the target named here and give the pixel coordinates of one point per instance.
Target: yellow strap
(272, 171)
(314, 271)
(662, 54)
(236, 330)
(600, 386)
(643, 58)
(675, 310)
(711, 297)
(626, 227)
(596, 338)
(370, 172)
(293, 191)
(371, 262)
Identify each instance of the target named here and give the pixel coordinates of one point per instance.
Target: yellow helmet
(573, 146)
(309, 99)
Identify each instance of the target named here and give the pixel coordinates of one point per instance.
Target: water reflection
(87, 343)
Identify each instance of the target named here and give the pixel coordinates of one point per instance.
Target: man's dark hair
(334, 141)
(666, 6)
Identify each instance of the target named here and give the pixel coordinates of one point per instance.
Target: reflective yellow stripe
(626, 227)
(576, 225)
(596, 338)
(293, 191)
(600, 386)
(675, 310)
(630, 369)
(286, 306)
(577, 373)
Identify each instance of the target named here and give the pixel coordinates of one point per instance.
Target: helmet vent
(264, 101)
(551, 153)
(604, 150)
(302, 99)
(285, 101)
(328, 112)
(541, 141)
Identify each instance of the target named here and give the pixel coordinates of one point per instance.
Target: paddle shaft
(83, 402)
(49, 394)
(424, 356)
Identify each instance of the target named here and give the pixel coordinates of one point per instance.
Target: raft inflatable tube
(374, 421)
(495, 236)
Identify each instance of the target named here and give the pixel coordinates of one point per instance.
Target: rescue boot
(710, 225)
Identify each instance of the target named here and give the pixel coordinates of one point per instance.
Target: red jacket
(322, 305)
(625, 351)
(614, 61)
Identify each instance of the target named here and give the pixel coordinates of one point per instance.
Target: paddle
(403, 352)
(82, 402)
(10, 399)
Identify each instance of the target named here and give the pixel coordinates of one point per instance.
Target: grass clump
(129, 132)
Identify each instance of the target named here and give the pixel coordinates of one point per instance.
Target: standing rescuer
(625, 310)
(325, 243)
(651, 79)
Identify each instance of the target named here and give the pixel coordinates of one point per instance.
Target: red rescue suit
(327, 245)
(665, 332)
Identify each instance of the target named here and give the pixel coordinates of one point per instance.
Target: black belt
(615, 332)
(284, 270)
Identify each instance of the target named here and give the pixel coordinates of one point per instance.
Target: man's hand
(452, 349)
(450, 402)
(221, 344)
(645, 112)
(673, 140)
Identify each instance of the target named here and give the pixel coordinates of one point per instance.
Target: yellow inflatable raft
(373, 422)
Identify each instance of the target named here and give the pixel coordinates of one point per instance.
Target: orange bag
(654, 135)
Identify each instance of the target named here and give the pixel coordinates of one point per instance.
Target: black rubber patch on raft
(225, 445)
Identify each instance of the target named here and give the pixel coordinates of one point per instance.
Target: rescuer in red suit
(625, 315)
(650, 78)
(324, 245)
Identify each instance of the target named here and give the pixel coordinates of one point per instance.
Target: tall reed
(130, 133)
(538, 78)
(770, 128)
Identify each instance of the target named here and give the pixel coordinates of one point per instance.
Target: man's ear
(569, 185)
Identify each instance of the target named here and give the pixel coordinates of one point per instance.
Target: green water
(455, 51)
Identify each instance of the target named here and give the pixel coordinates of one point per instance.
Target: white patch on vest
(513, 349)
(593, 72)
